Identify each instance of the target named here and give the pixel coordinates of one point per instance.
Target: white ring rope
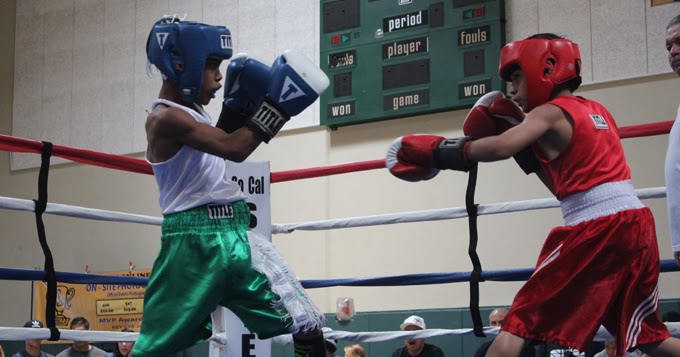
(389, 218)
(23, 333)
(79, 212)
(28, 333)
(439, 214)
(601, 335)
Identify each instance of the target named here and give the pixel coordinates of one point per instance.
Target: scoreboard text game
(395, 58)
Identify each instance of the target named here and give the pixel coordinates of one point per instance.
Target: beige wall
(506, 241)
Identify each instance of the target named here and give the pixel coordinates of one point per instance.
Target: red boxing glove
(510, 114)
(479, 123)
(492, 115)
(420, 157)
(411, 157)
(507, 110)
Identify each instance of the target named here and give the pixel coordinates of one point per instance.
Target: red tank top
(594, 155)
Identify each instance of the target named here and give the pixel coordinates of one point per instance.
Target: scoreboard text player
(395, 58)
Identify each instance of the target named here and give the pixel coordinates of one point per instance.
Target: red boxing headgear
(545, 63)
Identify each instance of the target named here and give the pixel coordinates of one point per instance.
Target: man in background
(81, 348)
(416, 347)
(32, 348)
(610, 351)
(672, 166)
(496, 317)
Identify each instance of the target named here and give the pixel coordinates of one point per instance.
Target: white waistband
(600, 201)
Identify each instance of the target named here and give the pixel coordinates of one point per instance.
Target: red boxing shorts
(599, 272)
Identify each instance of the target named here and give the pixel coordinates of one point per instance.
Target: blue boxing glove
(245, 85)
(295, 82)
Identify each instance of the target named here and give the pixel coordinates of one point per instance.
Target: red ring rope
(124, 163)
(640, 130)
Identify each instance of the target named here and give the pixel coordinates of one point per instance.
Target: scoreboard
(395, 58)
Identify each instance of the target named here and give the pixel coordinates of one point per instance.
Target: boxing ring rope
(8, 143)
(89, 157)
(351, 222)
(79, 212)
(506, 275)
(439, 214)
(124, 163)
(20, 333)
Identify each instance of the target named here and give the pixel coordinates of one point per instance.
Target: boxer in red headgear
(602, 266)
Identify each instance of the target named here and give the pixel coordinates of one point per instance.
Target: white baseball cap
(415, 321)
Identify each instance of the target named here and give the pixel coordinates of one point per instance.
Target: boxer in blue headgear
(208, 255)
(180, 49)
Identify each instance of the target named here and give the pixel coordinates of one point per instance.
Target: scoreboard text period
(395, 58)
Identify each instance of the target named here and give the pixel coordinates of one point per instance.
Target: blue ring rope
(668, 265)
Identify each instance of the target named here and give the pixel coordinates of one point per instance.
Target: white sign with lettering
(253, 178)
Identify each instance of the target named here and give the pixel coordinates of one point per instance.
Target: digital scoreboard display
(395, 58)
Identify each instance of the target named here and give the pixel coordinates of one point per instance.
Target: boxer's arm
(170, 128)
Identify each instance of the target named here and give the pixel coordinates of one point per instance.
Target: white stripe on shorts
(646, 308)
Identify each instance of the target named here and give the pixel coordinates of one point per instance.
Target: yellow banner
(108, 307)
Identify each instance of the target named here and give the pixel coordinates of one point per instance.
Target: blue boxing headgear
(179, 49)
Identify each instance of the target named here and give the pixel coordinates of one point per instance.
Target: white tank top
(192, 178)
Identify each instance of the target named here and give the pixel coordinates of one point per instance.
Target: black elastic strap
(450, 154)
(476, 274)
(50, 274)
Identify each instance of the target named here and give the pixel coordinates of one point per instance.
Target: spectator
(672, 165)
(495, 320)
(610, 351)
(355, 351)
(81, 348)
(496, 316)
(416, 347)
(32, 348)
(123, 348)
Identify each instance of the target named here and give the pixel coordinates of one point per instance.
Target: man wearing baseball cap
(32, 348)
(416, 347)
